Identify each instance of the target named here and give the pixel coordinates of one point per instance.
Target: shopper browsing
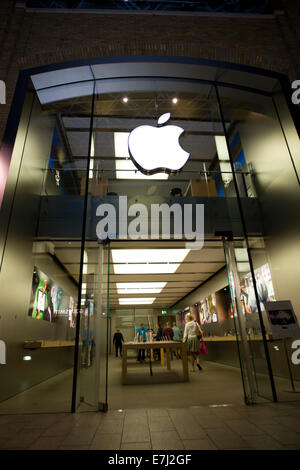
(117, 340)
(158, 337)
(141, 338)
(176, 338)
(159, 333)
(192, 334)
(168, 333)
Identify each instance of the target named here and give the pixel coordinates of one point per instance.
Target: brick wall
(30, 38)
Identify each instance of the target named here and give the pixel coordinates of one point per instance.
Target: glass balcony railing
(127, 181)
(62, 204)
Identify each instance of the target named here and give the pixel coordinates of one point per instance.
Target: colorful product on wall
(48, 301)
(265, 289)
(218, 307)
(207, 309)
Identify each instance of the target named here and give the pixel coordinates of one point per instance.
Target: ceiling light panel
(137, 301)
(150, 255)
(140, 287)
(153, 268)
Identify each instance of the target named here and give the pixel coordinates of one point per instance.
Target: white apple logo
(157, 149)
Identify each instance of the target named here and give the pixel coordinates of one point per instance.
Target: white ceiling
(197, 267)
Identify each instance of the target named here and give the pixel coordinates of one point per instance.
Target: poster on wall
(217, 307)
(208, 310)
(223, 304)
(48, 300)
(265, 289)
(282, 319)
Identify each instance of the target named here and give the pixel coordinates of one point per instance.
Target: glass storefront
(82, 247)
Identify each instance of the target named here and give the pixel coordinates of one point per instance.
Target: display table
(48, 344)
(233, 338)
(162, 345)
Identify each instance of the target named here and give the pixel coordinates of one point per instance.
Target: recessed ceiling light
(148, 261)
(149, 255)
(145, 268)
(139, 291)
(140, 287)
(175, 100)
(137, 301)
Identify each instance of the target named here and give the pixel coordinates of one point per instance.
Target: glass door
(251, 336)
(92, 392)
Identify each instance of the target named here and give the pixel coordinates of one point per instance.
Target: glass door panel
(249, 323)
(103, 315)
(94, 330)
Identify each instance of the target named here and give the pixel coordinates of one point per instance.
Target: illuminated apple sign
(157, 149)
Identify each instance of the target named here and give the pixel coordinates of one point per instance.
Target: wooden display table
(201, 188)
(97, 187)
(233, 338)
(48, 344)
(167, 345)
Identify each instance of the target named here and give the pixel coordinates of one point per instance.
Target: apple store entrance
(148, 210)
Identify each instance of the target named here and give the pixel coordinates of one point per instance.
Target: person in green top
(176, 338)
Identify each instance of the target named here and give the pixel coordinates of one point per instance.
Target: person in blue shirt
(141, 337)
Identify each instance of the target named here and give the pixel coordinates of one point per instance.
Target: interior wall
(32, 150)
(138, 315)
(213, 285)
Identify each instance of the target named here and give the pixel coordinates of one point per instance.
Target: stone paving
(265, 426)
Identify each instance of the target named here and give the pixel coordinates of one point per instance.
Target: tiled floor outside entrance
(265, 426)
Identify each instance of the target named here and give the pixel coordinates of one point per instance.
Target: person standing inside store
(141, 338)
(168, 332)
(117, 340)
(191, 336)
(176, 338)
(168, 335)
(159, 333)
(158, 337)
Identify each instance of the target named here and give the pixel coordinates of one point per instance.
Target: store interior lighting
(140, 287)
(148, 261)
(171, 255)
(137, 301)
